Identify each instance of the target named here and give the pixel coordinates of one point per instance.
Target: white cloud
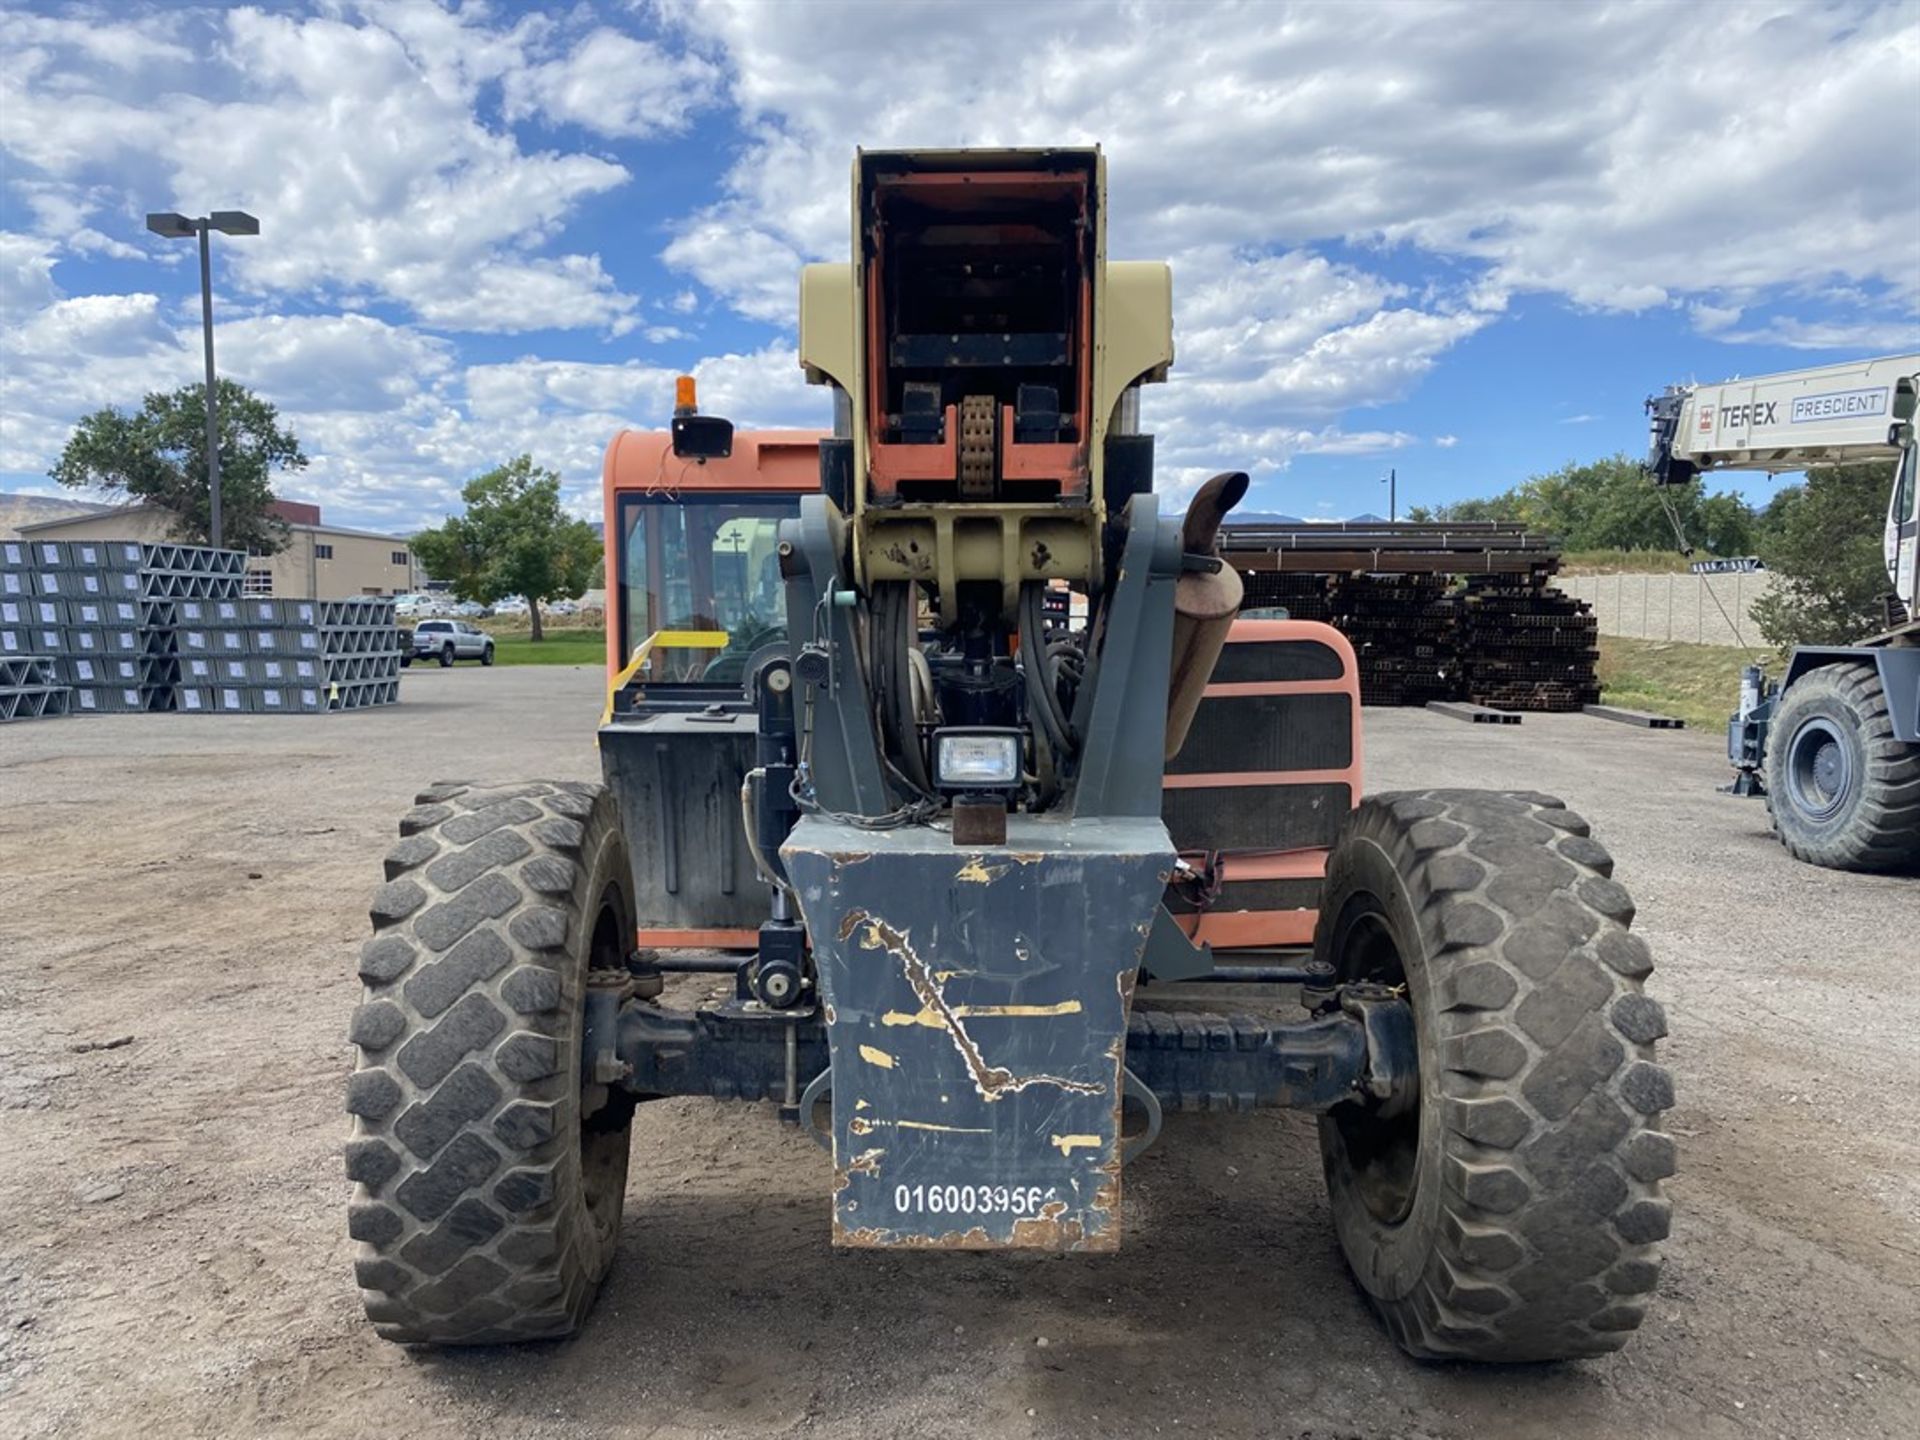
(1883, 336)
(356, 134)
(26, 273)
(615, 85)
(1446, 442)
(1557, 149)
(758, 272)
(129, 44)
(1553, 152)
(565, 412)
(75, 355)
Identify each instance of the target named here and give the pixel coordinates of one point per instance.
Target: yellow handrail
(668, 639)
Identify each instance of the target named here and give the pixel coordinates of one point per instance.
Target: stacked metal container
(29, 689)
(102, 627)
(264, 657)
(360, 652)
(75, 607)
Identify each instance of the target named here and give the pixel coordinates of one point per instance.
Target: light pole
(1392, 481)
(179, 227)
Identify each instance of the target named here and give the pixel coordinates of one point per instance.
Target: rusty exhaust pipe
(1204, 603)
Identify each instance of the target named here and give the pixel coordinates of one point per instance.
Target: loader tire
(1513, 1212)
(1843, 792)
(486, 1204)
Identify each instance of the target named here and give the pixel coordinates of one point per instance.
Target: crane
(1834, 746)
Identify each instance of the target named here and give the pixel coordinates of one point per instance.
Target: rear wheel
(1843, 792)
(488, 1179)
(446, 656)
(1513, 1211)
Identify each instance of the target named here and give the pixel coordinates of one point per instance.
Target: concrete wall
(1673, 607)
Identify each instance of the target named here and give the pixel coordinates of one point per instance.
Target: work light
(973, 758)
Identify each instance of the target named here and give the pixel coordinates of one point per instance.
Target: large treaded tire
(485, 1210)
(1871, 820)
(1514, 1212)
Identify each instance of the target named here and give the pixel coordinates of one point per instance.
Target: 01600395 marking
(972, 1199)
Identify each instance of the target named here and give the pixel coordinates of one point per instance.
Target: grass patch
(560, 647)
(1624, 562)
(1698, 683)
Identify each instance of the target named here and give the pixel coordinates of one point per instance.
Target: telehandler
(948, 747)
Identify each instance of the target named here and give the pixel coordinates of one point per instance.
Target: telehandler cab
(1010, 831)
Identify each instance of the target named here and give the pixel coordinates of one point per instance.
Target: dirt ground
(173, 1251)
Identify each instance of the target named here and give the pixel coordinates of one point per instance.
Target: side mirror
(702, 437)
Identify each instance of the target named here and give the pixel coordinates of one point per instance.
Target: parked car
(510, 605)
(447, 641)
(472, 610)
(563, 607)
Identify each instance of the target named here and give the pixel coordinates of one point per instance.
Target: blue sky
(1464, 241)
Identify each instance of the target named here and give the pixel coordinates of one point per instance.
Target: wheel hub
(1819, 769)
(1382, 1132)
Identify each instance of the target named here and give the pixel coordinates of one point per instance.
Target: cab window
(701, 564)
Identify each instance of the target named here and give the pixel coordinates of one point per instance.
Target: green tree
(158, 454)
(1823, 542)
(1610, 504)
(514, 540)
(1505, 506)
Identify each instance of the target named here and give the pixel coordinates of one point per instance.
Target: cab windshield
(709, 567)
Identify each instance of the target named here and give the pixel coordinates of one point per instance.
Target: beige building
(320, 562)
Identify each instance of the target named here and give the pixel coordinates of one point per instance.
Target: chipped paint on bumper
(978, 1018)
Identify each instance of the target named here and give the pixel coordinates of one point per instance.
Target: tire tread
(441, 1096)
(1883, 831)
(1547, 1242)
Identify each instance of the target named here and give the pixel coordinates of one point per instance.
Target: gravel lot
(173, 1256)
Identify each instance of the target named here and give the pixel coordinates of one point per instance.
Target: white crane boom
(1827, 415)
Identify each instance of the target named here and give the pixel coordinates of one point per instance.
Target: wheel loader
(1001, 835)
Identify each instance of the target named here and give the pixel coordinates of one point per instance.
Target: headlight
(976, 759)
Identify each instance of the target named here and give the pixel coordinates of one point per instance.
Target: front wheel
(1843, 791)
(489, 1178)
(1512, 1211)
(486, 656)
